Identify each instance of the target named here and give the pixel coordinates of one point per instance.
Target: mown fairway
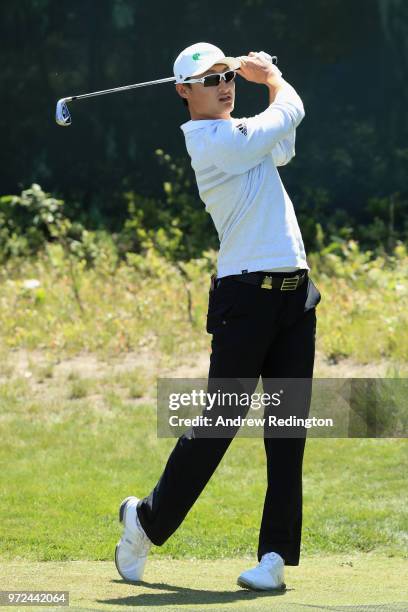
(349, 583)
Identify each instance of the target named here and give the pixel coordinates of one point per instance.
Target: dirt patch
(36, 366)
(348, 368)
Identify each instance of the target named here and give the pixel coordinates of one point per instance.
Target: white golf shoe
(132, 549)
(266, 576)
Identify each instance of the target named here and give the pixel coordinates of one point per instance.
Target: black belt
(286, 281)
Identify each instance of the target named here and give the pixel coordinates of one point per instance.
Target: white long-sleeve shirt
(235, 163)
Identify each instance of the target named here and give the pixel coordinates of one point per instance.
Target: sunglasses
(212, 80)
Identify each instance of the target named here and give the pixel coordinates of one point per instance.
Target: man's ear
(182, 90)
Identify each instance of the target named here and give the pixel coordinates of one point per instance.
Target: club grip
(270, 58)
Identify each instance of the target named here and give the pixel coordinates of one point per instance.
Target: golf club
(63, 116)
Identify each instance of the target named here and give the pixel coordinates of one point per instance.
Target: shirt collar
(196, 124)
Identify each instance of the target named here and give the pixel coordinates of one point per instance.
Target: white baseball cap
(198, 58)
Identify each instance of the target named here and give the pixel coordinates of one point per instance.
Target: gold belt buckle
(290, 283)
(267, 282)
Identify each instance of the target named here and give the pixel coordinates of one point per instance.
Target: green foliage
(181, 202)
(27, 222)
(175, 230)
(382, 225)
(346, 259)
(175, 225)
(388, 221)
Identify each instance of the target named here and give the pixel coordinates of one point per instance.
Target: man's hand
(259, 70)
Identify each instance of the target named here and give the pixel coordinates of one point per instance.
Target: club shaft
(118, 89)
(128, 87)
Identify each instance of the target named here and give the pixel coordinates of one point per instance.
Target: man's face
(205, 102)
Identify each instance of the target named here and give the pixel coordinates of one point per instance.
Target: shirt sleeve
(236, 147)
(284, 150)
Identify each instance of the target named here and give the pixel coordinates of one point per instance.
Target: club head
(62, 115)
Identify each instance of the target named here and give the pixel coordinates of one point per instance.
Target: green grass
(319, 583)
(67, 463)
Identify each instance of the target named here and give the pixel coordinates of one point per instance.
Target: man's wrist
(273, 90)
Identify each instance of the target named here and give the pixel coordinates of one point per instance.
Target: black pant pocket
(223, 306)
(313, 296)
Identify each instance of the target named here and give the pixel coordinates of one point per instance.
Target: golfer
(262, 303)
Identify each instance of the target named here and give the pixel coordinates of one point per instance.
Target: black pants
(256, 332)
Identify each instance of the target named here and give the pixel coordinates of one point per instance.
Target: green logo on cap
(196, 57)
